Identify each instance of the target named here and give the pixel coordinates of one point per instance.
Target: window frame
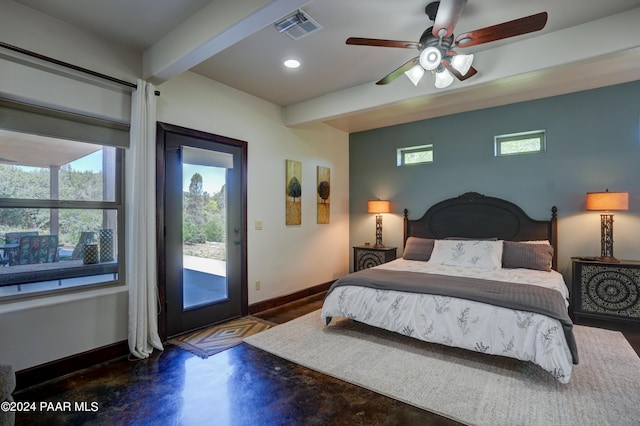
(519, 136)
(401, 152)
(116, 204)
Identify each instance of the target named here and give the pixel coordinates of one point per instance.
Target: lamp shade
(443, 79)
(607, 201)
(378, 206)
(415, 74)
(462, 63)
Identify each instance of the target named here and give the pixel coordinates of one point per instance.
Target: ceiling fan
(436, 43)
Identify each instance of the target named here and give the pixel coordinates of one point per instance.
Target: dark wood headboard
(474, 215)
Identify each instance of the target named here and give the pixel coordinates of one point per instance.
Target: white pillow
(479, 254)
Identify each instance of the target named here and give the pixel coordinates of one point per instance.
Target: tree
(214, 228)
(194, 211)
(33, 183)
(220, 197)
(294, 189)
(195, 187)
(194, 201)
(324, 188)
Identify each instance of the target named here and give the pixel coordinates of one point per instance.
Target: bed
(476, 273)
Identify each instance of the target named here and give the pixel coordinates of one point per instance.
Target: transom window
(414, 155)
(520, 143)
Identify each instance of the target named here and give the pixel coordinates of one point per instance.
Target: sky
(212, 177)
(91, 162)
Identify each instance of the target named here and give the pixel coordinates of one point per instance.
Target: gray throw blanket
(521, 297)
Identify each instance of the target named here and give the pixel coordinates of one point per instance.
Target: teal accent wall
(593, 143)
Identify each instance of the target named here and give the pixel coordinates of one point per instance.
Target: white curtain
(141, 224)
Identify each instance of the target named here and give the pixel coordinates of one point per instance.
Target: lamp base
(606, 259)
(379, 246)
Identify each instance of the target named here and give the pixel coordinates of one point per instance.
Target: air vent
(298, 25)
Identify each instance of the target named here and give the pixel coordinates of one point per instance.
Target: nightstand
(367, 256)
(605, 290)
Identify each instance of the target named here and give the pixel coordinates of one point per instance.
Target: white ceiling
(335, 83)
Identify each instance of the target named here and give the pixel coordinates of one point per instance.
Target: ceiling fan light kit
(430, 58)
(436, 43)
(443, 79)
(462, 63)
(415, 74)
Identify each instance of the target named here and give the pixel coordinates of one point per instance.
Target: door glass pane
(204, 235)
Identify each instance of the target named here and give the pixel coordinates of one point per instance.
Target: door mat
(217, 338)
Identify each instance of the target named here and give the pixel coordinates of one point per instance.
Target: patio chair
(78, 250)
(38, 249)
(12, 254)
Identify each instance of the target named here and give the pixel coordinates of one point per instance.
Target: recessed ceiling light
(291, 63)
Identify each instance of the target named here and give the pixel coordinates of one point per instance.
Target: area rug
(211, 340)
(466, 386)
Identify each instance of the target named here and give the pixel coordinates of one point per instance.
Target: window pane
(66, 224)
(69, 247)
(418, 157)
(60, 201)
(518, 146)
(520, 143)
(415, 155)
(40, 168)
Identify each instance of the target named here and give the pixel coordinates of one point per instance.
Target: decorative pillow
(476, 253)
(472, 239)
(418, 248)
(527, 255)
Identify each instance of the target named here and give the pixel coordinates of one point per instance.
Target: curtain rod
(71, 66)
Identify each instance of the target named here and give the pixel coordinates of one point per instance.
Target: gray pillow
(529, 256)
(418, 248)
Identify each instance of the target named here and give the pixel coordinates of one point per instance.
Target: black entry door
(204, 229)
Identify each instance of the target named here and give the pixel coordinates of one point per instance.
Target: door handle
(238, 242)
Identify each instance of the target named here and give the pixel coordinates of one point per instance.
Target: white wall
(30, 80)
(285, 259)
(41, 330)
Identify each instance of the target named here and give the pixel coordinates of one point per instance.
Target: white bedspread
(462, 323)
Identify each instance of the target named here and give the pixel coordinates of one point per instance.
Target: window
(61, 213)
(520, 143)
(415, 155)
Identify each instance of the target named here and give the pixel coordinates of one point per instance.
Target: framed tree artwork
(323, 190)
(293, 189)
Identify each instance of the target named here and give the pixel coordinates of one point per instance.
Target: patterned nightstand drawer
(368, 256)
(606, 290)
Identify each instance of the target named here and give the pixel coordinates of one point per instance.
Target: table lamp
(607, 202)
(378, 207)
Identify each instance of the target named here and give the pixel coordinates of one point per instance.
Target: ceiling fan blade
(525, 25)
(398, 72)
(449, 11)
(472, 71)
(383, 43)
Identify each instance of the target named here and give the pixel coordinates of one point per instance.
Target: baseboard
(71, 364)
(282, 300)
